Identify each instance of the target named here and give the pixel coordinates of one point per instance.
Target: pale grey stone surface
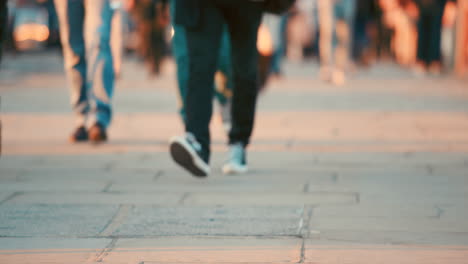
(379, 162)
(212, 221)
(15, 243)
(54, 220)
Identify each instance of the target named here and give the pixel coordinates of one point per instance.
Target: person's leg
(325, 8)
(435, 36)
(100, 61)
(279, 52)
(461, 52)
(203, 44)
(71, 24)
(344, 16)
(180, 53)
(245, 71)
(3, 24)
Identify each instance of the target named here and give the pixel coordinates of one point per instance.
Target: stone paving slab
(363, 254)
(54, 220)
(209, 187)
(280, 198)
(372, 237)
(212, 221)
(206, 250)
(51, 186)
(343, 131)
(401, 223)
(103, 198)
(5, 195)
(58, 176)
(377, 210)
(23, 245)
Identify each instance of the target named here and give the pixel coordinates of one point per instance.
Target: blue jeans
(85, 27)
(180, 52)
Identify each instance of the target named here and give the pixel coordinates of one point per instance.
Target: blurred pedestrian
(3, 24)
(85, 28)
(461, 53)
(429, 36)
(152, 19)
(365, 18)
(204, 22)
(335, 19)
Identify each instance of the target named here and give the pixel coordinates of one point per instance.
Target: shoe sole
(96, 139)
(229, 169)
(182, 155)
(74, 140)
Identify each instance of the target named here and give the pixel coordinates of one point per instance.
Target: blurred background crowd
(426, 36)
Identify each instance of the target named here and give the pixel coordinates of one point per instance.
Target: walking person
(204, 22)
(461, 52)
(3, 24)
(429, 36)
(335, 19)
(85, 29)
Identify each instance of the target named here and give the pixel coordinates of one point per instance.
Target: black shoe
(97, 133)
(186, 151)
(80, 135)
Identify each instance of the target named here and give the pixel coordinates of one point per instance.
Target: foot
(186, 152)
(419, 70)
(80, 135)
(338, 78)
(325, 73)
(97, 133)
(237, 163)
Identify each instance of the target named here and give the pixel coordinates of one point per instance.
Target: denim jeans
(180, 53)
(85, 30)
(335, 53)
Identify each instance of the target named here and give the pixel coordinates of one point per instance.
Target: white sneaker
(237, 163)
(185, 150)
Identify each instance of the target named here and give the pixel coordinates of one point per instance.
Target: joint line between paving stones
(184, 198)
(358, 198)
(305, 229)
(104, 252)
(158, 175)
(10, 197)
(302, 259)
(107, 187)
(116, 220)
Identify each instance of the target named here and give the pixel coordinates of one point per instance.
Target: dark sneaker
(97, 133)
(237, 163)
(186, 151)
(80, 135)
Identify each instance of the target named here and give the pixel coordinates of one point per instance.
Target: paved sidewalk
(372, 172)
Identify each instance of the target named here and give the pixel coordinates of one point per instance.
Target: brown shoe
(80, 135)
(97, 133)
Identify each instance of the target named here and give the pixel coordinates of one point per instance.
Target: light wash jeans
(85, 30)
(335, 20)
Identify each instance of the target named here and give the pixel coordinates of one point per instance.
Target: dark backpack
(277, 6)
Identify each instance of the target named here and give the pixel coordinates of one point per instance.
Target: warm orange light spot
(35, 32)
(264, 41)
